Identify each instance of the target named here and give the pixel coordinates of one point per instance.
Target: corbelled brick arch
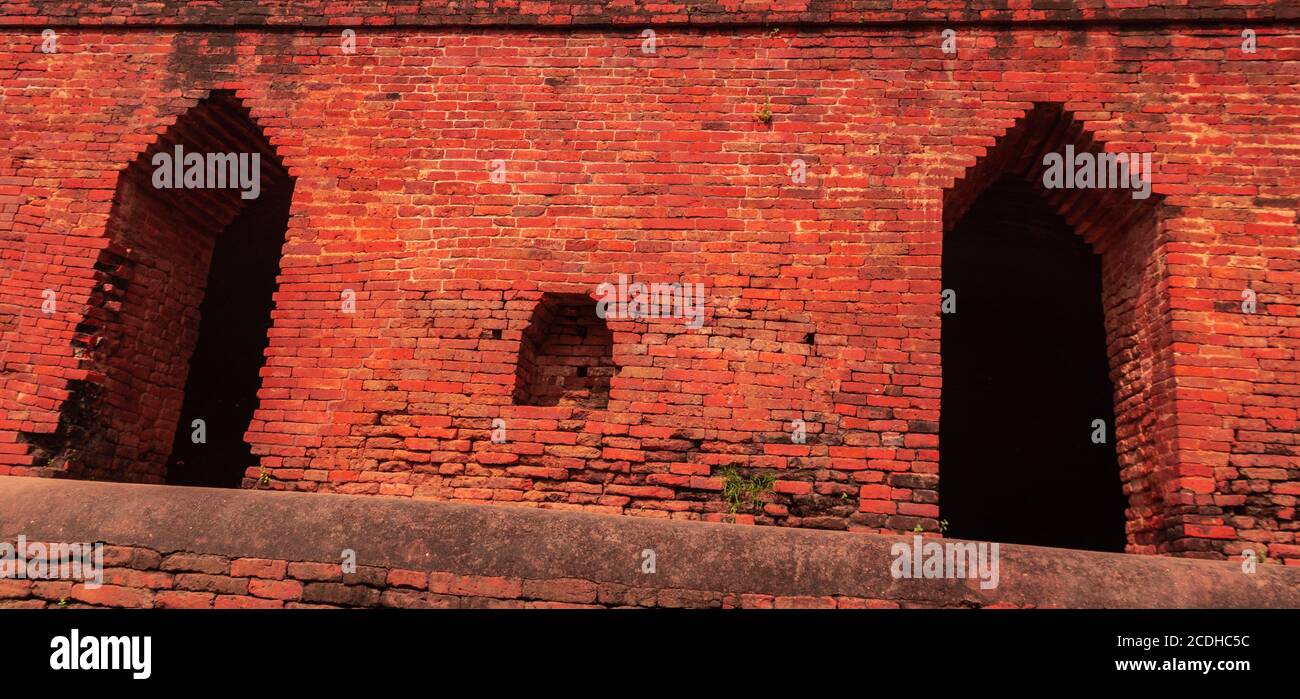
(170, 249)
(1126, 233)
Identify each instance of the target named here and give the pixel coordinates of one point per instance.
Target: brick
(242, 602)
(22, 604)
(408, 599)
(408, 578)
(112, 596)
(15, 589)
(675, 598)
(52, 590)
(475, 586)
(622, 595)
(211, 583)
(124, 577)
(315, 571)
(131, 557)
(560, 590)
(258, 568)
(340, 594)
(179, 599)
(804, 602)
(275, 589)
(196, 563)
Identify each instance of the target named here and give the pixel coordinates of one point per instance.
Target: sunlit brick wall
(675, 165)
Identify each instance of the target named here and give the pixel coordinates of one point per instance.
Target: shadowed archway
(176, 324)
(1047, 400)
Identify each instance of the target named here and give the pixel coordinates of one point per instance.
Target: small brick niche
(566, 356)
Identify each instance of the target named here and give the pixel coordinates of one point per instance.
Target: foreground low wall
(197, 547)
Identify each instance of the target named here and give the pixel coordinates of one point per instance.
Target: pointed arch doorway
(177, 322)
(1037, 446)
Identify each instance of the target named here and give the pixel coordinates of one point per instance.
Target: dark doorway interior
(1025, 374)
(221, 387)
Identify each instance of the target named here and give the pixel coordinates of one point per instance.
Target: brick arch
(140, 325)
(1127, 234)
(232, 97)
(270, 127)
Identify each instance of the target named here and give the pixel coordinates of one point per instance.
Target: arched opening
(1025, 377)
(1042, 407)
(566, 355)
(176, 325)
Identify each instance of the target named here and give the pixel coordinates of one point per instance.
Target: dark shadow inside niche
(566, 356)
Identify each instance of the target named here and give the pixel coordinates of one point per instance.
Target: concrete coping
(539, 544)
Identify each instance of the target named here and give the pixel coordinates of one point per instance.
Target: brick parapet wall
(192, 547)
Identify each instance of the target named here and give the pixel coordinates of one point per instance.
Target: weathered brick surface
(241, 602)
(177, 599)
(113, 596)
(575, 591)
(258, 568)
(196, 563)
(15, 589)
(275, 589)
(340, 595)
(314, 571)
(408, 578)
(258, 13)
(211, 583)
(823, 296)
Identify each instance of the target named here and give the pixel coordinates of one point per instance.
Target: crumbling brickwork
(669, 161)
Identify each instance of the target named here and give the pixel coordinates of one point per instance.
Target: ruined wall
(823, 295)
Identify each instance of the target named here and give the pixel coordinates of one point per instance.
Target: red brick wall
(655, 166)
